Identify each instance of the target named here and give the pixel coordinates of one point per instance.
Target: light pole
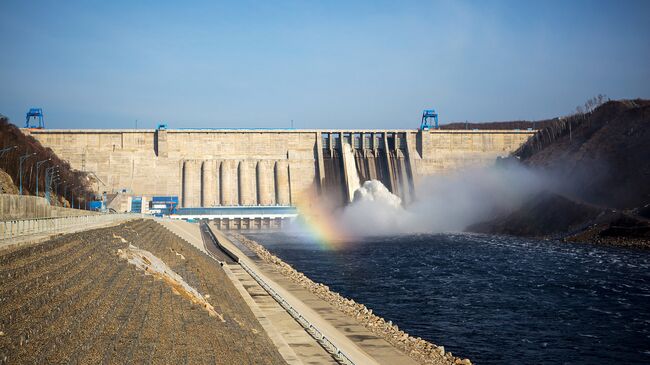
(56, 181)
(81, 195)
(38, 164)
(2, 151)
(48, 180)
(20, 169)
(65, 190)
(72, 194)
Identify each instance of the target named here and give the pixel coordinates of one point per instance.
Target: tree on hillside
(591, 104)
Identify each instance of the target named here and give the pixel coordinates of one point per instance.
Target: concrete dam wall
(212, 167)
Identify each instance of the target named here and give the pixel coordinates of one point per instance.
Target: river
(495, 300)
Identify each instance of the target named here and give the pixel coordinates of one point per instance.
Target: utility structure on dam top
(251, 167)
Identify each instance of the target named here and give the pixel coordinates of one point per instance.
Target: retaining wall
(27, 206)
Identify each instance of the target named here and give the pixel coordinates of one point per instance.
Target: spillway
(372, 156)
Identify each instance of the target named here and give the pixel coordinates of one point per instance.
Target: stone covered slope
(74, 300)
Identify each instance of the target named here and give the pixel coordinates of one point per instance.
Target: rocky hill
(602, 162)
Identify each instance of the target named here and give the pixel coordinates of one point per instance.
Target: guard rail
(339, 355)
(14, 228)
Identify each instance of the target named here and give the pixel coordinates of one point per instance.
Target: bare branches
(591, 104)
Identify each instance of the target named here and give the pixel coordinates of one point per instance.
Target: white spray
(445, 203)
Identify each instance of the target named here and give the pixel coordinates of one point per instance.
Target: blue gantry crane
(37, 115)
(427, 116)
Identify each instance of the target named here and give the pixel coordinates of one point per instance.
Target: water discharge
(444, 203)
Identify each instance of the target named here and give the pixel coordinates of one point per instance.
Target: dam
(269, 167)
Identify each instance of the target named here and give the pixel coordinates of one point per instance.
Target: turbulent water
(495, 300)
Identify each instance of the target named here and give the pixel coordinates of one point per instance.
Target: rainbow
(319, 222)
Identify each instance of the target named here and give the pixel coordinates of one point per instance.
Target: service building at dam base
(266, 167)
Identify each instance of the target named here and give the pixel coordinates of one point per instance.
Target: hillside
(18, 144)
(539, 216)
(600, 160)
(604, 154)
(516, 124)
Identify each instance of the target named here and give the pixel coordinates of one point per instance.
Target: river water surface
(495, 300)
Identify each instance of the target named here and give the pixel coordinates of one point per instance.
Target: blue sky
(324, 64)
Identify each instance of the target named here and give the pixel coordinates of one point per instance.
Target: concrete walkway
(362, 346)
(294, 344)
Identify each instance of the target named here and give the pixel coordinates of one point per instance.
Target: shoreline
(416, 348)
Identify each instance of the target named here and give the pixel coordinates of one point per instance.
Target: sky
(320, 64)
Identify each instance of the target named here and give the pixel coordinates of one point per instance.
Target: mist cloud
(444, 203)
